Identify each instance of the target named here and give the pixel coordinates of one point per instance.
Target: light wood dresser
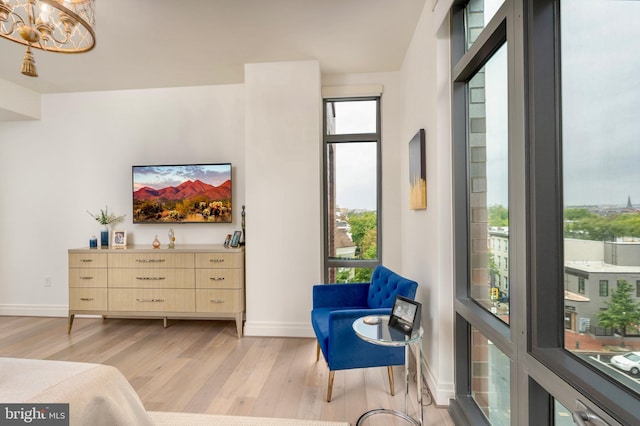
(188, 281)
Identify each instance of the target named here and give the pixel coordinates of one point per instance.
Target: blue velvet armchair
(337, 306)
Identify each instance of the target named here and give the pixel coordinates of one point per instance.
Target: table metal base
(389, 412)
(360, 327)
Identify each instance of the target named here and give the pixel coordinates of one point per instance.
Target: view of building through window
(352, 144)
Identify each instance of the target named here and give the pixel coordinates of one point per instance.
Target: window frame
(541, 369)
(464, 64)
(329, 262)
(545, 227)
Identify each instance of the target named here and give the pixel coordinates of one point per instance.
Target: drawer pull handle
(217, 300)
(151, 278)
(86, 260)
(150, 300)
(86, 278)
(218, 260)
(86, 299)
(216, 278)
(150, 260)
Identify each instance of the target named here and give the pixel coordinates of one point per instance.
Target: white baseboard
(34, 310)
(277, 329)
(441, 392)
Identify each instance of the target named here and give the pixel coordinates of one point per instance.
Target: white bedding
(99, 395)
(96, 394)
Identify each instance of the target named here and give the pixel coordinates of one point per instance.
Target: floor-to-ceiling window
(547, 233)
(351, 188)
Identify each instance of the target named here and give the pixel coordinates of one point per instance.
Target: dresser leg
(71, 317)
(164, 322)
(239, 324)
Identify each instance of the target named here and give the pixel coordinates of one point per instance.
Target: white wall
(427, 234)
(283, 157)
(78, 157)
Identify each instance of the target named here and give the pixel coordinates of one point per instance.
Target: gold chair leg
(71, 317)
(391, 385)
(317, 351)
(330, 387)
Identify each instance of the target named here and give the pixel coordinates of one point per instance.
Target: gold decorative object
(64, 26)
(172, 239)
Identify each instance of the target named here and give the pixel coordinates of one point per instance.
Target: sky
(158, 177)
(496, 127)
(600, 106)
(601, 101)
(356, 162)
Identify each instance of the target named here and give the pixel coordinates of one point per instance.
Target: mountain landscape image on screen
(189, 201)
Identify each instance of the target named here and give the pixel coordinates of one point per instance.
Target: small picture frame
(405, 315)
(227, 241)
(235, 240)
(119, 239)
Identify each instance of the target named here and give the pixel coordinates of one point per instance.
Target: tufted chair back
(385, 285)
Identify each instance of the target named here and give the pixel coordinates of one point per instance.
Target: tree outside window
(622, 311)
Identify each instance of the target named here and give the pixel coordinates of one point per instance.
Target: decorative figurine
(156, 243)
(244, 235)
(172, 239)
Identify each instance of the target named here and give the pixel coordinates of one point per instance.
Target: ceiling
(162, 43)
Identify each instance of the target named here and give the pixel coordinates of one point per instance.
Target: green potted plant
(105, 218)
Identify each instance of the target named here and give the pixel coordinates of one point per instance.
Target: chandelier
(64, 26)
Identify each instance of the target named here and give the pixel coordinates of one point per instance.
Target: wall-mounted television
(184, 193)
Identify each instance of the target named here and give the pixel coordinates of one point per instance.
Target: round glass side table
(375, 329)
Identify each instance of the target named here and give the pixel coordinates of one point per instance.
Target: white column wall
(283, 192)
(427, 234)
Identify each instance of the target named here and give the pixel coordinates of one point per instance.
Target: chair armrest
(340, 295)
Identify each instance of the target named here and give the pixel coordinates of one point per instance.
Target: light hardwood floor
(202, 367)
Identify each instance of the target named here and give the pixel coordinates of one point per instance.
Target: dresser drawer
(219, 278)
(222, 301)
(151, 260)
(87, 277)
(87, 260)
(87, 299)
(219, 260)
(151, 300)
(151, 278)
